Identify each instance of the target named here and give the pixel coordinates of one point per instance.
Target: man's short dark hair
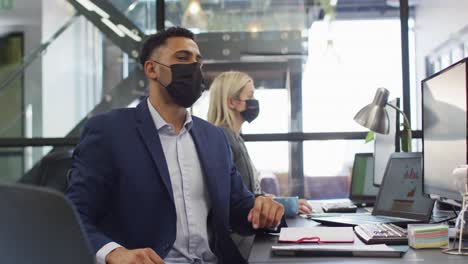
(157, 40)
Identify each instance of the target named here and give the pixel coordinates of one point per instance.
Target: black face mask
(187, 83)
(252, 109)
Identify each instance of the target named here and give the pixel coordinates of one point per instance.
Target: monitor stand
(445, 206)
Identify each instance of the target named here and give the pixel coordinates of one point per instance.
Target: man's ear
(151, 70)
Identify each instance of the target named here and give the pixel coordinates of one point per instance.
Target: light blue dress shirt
(191, 197)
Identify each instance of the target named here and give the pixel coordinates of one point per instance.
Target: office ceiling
(142, 12)
(342, 5)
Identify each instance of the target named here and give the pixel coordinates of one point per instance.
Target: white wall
(72, 69)
(435, 22)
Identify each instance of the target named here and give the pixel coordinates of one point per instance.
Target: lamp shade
(374, 116)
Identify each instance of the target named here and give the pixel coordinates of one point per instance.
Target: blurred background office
(315, 62)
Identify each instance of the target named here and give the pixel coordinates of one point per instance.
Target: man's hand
(265, 213)
(138, 256)
(304, 207)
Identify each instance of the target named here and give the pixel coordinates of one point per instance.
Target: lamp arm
(406, 121)
(406, 124)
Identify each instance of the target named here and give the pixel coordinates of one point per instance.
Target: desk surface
(261, 253)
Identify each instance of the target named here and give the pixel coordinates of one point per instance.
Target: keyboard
(389, 234)
(339, 207)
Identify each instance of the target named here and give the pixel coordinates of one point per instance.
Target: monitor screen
(444, 102)
(385, 145)
(362, 178)
(401, 192)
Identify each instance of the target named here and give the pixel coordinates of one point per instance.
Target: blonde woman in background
(232, 103)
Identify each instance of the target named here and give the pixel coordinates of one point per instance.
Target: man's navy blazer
(121, 188)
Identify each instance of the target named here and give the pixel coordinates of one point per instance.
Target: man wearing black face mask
(187, 83)
(154, 184)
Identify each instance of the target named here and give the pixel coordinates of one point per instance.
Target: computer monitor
(385, 145)
(444, 103)
(401, 192)
(362, 179)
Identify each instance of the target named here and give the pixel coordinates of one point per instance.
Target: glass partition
(59, 68)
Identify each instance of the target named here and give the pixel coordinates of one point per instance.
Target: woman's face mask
(252, 109)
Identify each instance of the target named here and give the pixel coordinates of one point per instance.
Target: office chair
(327, 187)
(39, 225)
(54, 170)
(270, 185)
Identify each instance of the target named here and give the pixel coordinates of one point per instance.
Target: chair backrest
(54, 170)
(327, 187)
(270, 185)
(39, 226)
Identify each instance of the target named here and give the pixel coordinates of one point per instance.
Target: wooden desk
(261, 253)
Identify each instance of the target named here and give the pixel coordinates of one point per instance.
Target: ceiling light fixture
(92, 7)
(194, 7)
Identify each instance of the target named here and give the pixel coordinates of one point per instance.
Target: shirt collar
(160, 123)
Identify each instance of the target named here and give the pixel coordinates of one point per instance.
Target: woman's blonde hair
(226, 85)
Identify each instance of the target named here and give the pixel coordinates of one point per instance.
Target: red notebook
(316, 235)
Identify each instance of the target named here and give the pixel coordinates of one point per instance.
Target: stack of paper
(427, 236)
